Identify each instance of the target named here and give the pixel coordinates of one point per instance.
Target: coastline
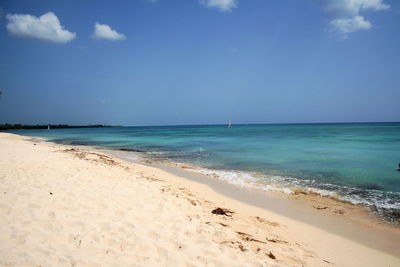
(265, 157)
(337, 217)
(328, 213)
(248, 235)
(359, 213)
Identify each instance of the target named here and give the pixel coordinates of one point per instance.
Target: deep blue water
(356, 161)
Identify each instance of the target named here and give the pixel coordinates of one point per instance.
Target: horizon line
(210, 124)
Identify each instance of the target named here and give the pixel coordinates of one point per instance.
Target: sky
(169, 62)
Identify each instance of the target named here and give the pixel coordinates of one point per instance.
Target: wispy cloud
(347, 14)
(346, 26)
(354, 7)
(222, 5)
(103, 31)
(46, 27)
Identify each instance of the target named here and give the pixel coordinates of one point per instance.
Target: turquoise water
(356, 162)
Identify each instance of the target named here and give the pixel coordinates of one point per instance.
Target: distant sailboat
(48, 127)
(230, 124)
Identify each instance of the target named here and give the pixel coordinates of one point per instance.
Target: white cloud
(347, 14)
(103, 31)
(46, 27)
(345, 26)
(222, 5)
(354, 7)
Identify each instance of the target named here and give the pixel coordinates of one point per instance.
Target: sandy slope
(63, 206)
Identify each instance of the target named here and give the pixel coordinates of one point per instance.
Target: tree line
(8, 126)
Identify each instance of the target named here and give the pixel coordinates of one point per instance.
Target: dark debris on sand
(221, 211)
(272, 256)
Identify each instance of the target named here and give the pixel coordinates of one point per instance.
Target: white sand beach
(66, 206)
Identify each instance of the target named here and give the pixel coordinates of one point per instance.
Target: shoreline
(298, 193)
(380, 203)
(250, 180)
(246, 225)
(324, 212)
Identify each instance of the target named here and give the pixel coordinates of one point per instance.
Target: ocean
(355, 162)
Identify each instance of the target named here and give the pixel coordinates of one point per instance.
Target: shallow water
(355, 162)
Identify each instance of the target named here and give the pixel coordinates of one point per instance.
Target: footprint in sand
(265, 221)
(76, 240)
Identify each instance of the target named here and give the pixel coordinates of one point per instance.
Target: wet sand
(347, 220)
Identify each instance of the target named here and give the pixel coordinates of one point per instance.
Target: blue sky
(199, 62)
